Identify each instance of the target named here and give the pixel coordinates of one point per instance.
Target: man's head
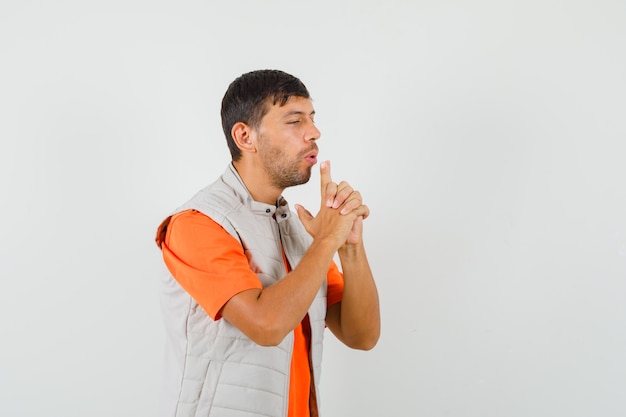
(250, 96)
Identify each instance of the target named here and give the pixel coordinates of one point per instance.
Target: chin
(307, 176)
(298, 180)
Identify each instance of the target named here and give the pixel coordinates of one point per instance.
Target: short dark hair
(248, 96)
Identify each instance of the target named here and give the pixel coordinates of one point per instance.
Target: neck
(257, 182)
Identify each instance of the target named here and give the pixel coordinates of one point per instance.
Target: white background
(487, 137)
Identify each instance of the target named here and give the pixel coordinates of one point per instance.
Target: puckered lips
(311, 157)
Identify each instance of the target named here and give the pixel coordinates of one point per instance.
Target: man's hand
(338, 199)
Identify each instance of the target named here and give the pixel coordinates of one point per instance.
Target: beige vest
(212, 368)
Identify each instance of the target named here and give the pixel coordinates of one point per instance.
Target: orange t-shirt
(211, 266)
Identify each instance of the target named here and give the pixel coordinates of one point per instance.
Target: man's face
(286, 142)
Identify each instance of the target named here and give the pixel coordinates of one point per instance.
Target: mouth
(311, 157)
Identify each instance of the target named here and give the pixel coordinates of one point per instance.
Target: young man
(252, 287)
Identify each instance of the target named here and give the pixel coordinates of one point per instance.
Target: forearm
(360, 313)
(268, 315)
(288, 300)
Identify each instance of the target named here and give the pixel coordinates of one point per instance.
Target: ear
(242, 135)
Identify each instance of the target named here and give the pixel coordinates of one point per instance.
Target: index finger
(325, 177)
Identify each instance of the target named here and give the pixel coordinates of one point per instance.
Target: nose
(312, 133)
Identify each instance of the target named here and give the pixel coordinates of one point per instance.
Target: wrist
(350, 249)
(326, 244)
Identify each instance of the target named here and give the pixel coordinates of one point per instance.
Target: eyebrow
(297, 113)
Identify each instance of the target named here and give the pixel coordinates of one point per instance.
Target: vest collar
(280, 211)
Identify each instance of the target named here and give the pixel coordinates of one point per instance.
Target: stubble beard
(282, 171)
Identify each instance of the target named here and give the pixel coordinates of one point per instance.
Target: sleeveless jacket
(212, 368)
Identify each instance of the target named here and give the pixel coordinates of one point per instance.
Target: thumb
(304, 215)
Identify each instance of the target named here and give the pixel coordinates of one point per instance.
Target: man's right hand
(341, 211)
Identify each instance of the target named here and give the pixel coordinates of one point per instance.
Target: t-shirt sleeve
(206, 261)
(334, 281)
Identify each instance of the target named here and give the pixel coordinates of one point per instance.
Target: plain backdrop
(487, 137)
